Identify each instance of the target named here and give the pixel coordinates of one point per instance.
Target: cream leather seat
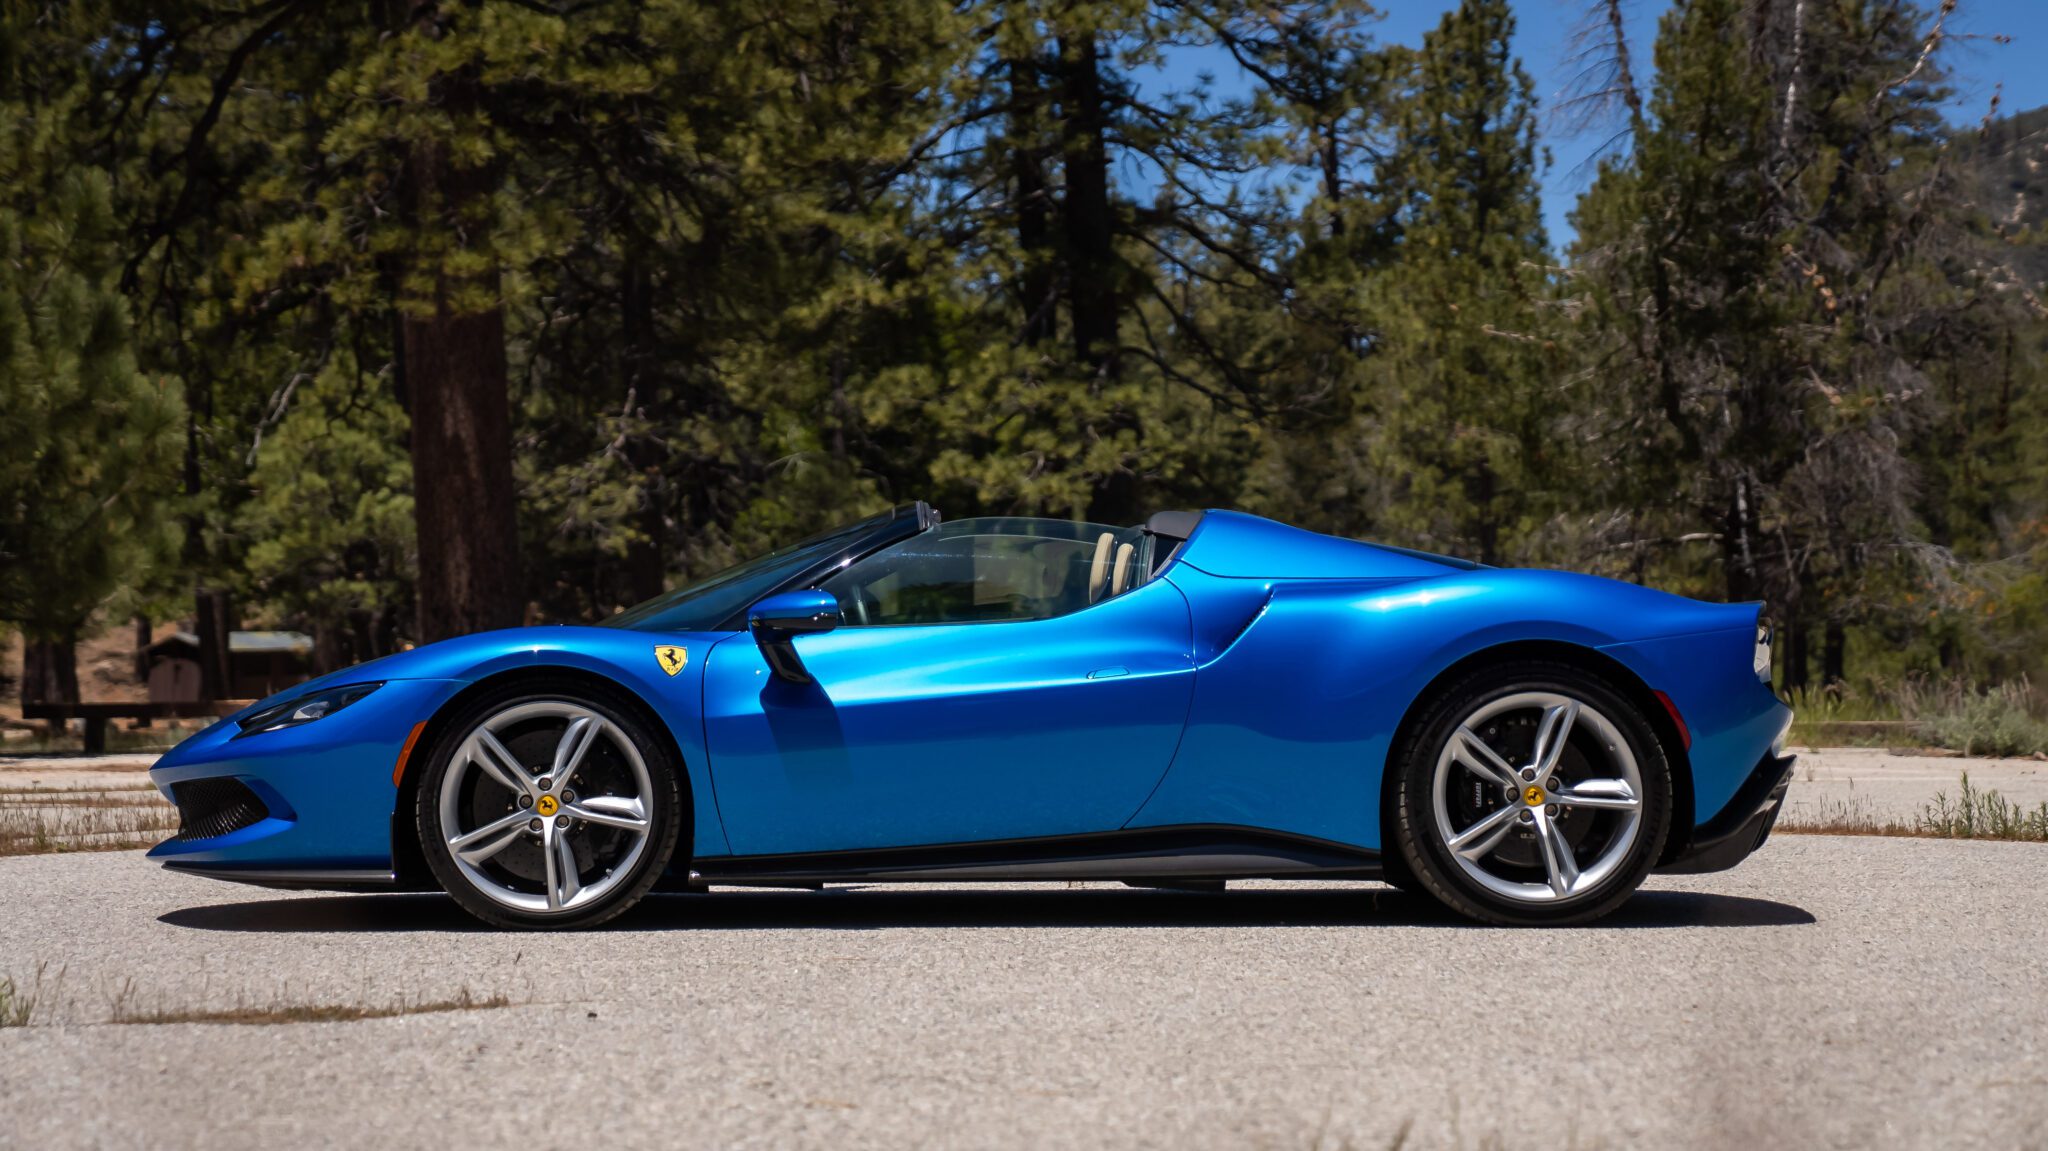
(1124, 577)
(1098, 571)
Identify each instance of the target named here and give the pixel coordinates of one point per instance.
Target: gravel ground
(63, 772)
(1836, 992)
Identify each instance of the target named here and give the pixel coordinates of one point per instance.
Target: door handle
(1108, 672)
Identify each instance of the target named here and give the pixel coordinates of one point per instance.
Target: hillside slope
(2007, 165)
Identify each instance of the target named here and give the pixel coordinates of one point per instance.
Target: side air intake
(210, 808)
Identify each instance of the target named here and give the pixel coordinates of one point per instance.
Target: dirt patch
(275, 1014)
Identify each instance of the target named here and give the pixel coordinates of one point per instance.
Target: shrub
(2000, 721)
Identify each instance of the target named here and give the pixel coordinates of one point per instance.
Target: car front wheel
(1531, 793)
(548, 806)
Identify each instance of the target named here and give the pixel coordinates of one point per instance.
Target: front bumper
(325, 791)
(1743, 825)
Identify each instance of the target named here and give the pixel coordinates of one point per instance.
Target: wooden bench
(96, 715)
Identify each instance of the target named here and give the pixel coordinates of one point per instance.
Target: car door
(951, 732)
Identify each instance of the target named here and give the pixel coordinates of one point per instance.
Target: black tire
(664, 809)
(1394, 872)
(1423, 856)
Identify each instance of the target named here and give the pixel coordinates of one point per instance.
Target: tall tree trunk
(1795, 655)
(1483, 486)
(1037, 287)
(1738, 552)
(49, 670)
(453, 361)
(329, 647)
(144, 635)
(213, 618)
(647, 555)
(362, 641)
(462, 472)
(1095, 280)
(1833, 653)
(1331, 156)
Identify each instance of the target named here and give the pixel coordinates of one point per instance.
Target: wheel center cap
(547, 805)
(1531, 795)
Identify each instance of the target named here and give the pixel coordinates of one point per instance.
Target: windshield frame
(899, 523)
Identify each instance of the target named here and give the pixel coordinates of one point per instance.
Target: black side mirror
(779, 619)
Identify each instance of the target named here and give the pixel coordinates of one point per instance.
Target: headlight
(1762, 661)
(304, 709)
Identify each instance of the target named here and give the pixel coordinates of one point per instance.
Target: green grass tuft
(1982, 815)
(16, 1006)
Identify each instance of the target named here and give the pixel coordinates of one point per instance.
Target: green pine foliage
(91, 442)
(1778, 278)
(329, 521)
(1467, 382)
(736, 274)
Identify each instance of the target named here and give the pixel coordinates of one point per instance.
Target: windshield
(708, 603)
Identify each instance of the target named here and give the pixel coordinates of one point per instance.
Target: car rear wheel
(548, 806)
(1531, 793)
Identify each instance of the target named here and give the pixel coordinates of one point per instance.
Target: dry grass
(1973, 815)
(16, 1005)
(273, 1014)
(97, 799)
(22, 1004)
(2008, 719)
(126, 789)
(45, 821)
(1846, 817)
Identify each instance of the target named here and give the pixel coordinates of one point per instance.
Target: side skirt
(1200, 852)
(293, 880)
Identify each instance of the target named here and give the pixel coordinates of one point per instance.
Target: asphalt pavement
(1833, 992)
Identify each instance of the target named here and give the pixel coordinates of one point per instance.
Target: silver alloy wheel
(1536, 798)
(544, 807)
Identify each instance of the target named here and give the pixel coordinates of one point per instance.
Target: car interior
(992, 569)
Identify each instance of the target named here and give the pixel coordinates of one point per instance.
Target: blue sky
(1978, 65)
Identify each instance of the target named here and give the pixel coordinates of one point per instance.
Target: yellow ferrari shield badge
(671, 659)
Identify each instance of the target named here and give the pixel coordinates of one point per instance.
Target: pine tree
(330, 519)
(1099, 380)
(92, 442)
(719, 278)
(1463, 381)
(1762, 274)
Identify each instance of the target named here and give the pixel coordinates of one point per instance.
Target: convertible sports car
(1211, 696)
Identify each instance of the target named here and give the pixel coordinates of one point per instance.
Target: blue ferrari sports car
(1209, 696)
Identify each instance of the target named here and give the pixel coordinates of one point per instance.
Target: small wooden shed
(259, 663)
